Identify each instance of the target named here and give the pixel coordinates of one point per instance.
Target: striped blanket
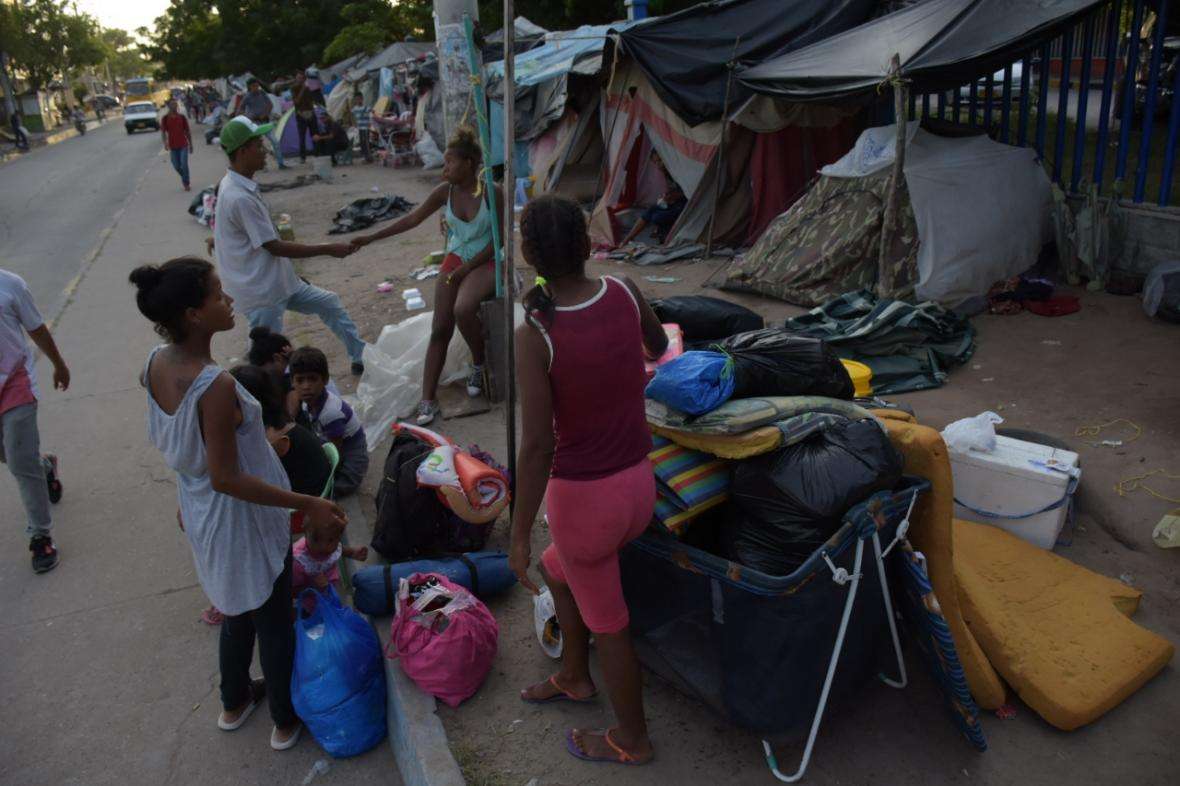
(688, 483)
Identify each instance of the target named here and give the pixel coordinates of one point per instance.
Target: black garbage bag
(772, 362)
(195, 207)
(362, 213)
(703, 318)
(787, 503)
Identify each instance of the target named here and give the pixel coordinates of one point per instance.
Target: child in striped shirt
(331, 417)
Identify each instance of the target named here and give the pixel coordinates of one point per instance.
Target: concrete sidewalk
(109, 677)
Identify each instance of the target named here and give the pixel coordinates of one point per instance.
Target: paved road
(56, 201)
(107, 677)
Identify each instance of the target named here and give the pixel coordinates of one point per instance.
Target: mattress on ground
(737, 416)
(1057, 632)
(932, 534)
(752, 443)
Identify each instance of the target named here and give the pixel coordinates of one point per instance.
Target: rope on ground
(1135, 483)
(1094, 431)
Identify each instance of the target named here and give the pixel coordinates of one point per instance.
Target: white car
(141, 115)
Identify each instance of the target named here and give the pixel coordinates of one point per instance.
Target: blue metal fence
(1121, 53)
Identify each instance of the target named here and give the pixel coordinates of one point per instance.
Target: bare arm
(44, 341)
(655, 340)
(218, 411)
(535, 457)
(437, 198)
(293, 250)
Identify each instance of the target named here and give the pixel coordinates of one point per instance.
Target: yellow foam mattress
(1057, 632)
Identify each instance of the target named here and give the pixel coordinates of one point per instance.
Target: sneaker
(427, 412)
(475, 382)
(45, 556)
(358, 368)
(49, 463)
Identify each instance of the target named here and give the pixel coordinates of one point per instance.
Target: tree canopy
(46, 38)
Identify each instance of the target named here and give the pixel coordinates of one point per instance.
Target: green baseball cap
(241, 130)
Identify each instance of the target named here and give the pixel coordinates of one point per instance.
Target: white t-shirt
(251, 275)
(18, 316)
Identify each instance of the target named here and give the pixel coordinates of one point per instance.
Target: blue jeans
(309, 299)
(180, 163)
(20, 449)
(275, 147)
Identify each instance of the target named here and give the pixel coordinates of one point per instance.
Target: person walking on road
(20, 441)
(234, 495)
(178, 140)
(255, 264)
(257, 106)
(21, 139)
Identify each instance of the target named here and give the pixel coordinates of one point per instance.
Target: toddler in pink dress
(316, 554)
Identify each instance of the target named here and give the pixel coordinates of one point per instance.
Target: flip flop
(621, 756)
(564, 695)
(257, 694)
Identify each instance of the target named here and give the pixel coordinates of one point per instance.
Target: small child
(314, 557)
(331, 418)
(362, 118)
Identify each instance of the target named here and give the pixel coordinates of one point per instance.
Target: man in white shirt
(255, 264)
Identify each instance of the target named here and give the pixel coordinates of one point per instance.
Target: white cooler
(1022, 487)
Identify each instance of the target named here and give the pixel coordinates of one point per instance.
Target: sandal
(257, 694)
(620, 756)
(562, 695)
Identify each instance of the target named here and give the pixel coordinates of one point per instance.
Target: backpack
(411, 521)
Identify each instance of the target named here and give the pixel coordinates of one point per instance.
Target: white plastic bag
(545, 623)
(428, 151)
(1163, 281)
(977, 433)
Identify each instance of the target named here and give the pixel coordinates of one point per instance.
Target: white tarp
(982, 208)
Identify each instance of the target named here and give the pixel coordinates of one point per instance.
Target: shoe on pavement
(475, 382)
(358, 368)
(257, 695)
(280, 744)
(427, 412)
(45, 557)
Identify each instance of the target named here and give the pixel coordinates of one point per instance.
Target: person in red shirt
(178, 140)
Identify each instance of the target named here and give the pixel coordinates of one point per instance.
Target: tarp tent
(971, 212)
(941, 44)
(667, 93)
(686, 55)
(287, 132)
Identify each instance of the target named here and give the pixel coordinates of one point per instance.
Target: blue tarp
(559, 55)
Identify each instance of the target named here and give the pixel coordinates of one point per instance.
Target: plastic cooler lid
(1020, 459)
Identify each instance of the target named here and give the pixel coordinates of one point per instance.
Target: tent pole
(509, 267)
(721, 148)
(900, 94)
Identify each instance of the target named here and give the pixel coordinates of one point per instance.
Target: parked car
(139, 115)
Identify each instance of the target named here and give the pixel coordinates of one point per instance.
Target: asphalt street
(107, 676)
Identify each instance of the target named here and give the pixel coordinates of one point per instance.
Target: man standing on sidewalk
(257, 106)
(20, 442)
(178, 140)
(18, 131)
(255, 264)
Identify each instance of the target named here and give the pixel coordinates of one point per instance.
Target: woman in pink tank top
(579, 366)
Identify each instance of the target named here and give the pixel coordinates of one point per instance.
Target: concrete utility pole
(454, 70)
(6, 83)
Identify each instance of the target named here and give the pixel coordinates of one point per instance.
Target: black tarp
(941, 43)
(685, 54)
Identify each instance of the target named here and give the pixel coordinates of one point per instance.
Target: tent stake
(509, 269)
(900, 94)
(721, 172)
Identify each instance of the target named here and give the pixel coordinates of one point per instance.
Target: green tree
(124, 55)
(187, 40)
(374, 24)
(45, 39)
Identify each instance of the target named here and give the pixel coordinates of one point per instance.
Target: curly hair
(465, 144)
(554, 241)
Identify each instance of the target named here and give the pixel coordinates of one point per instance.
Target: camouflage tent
(828, 242)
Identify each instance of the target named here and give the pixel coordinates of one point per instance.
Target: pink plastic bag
(444, 637)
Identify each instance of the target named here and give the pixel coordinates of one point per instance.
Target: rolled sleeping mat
(485, 573)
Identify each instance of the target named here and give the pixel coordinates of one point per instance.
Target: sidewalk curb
(52, 139)
(416, 735)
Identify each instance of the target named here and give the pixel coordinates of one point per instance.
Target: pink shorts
(590, 521)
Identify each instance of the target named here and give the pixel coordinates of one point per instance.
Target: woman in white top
(233, 492)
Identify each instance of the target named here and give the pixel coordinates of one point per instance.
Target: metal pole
(1006, 109)
(1153, 78)
(1170, 150)
(1042, 103)
(485, 144)
(1025, 87)
(1127, 113)
(508, 234)
(721, 149)
(1063, 81)
(1112, 53)
(900, 89)
(1079, 137)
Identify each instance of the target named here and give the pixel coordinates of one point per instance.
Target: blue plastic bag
(338, 683)
(694, 383)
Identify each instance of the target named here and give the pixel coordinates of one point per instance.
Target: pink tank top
(596, 379)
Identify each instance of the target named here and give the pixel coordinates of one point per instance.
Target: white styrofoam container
(1014, 479)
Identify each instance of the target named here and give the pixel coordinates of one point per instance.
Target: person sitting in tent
(468, 272)
(662, 214)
